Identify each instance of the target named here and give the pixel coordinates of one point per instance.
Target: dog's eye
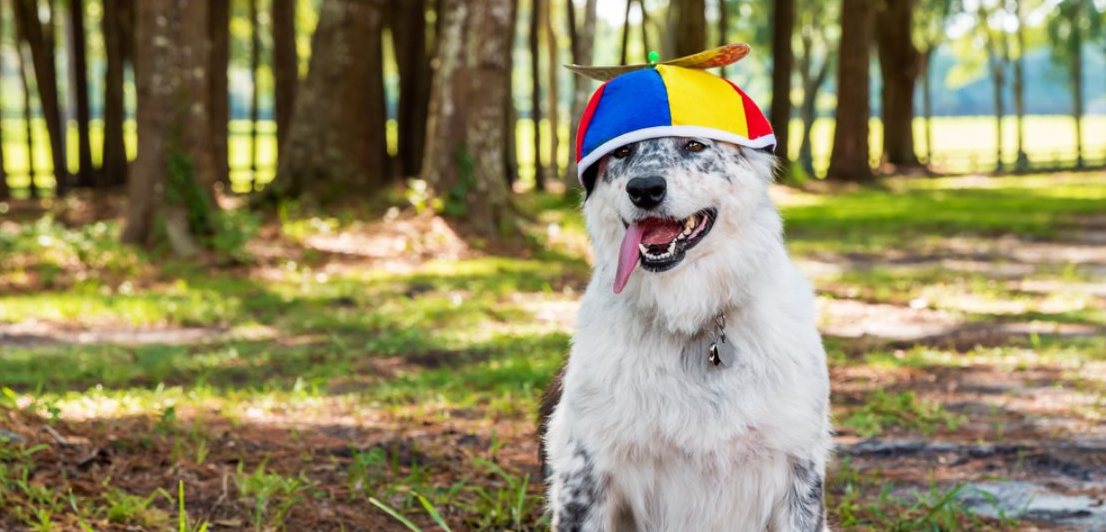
(694, 146)
(622, 152)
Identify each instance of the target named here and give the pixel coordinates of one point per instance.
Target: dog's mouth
(659, 244)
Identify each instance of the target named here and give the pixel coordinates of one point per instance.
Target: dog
(696, 394)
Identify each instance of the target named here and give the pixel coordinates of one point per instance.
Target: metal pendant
(721, 351)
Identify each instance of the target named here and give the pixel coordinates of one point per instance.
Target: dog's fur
(644, 433)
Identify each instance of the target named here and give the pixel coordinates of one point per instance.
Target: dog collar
(671, 99)
(721, 350)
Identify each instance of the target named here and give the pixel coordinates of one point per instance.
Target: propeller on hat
(716, 57)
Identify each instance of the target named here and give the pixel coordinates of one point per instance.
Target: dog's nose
(647, 192)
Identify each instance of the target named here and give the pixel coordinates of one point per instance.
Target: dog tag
(722, 352)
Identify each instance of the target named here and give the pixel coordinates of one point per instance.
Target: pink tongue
(627, 256)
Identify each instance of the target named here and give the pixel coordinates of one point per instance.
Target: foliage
(882, 410)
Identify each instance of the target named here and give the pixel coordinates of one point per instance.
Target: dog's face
(676, 218)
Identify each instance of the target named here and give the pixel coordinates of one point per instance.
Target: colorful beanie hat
(665, 100)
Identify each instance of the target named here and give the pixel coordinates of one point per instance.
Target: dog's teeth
(643, 249)
(671, 247)
(691, 222)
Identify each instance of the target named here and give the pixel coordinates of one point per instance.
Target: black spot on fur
(805, 500)
(579, 493)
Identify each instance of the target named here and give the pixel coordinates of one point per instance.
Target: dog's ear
(588, 178)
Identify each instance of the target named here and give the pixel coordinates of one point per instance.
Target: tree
(464, 162)
(849, 159)
(930, 21)
(626, 30)
(1015, 7)
(552, 93)
(1073, 22)
(336, 145)
(687, 32)
(171, 194)
(510, 111)
(783, 24)
(219, 97)
(78, 68)
(536, 7)
(815, 52)
(255, 87)
(723, 28)
(989, 24)
(113, 165)
(28, 124)
(581, 40)
(286, 61)
(409, 32)
(39, 39)
(899, 61)
(5, 191)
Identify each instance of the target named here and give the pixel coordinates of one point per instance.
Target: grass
(388, 393)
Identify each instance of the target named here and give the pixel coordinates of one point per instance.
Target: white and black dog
(696, 394)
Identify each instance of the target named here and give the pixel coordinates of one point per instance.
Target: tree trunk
(510, 112)
(463, 162)
(5, 190)
(255, 88)
(927, 100)
(336, 147)
(535, 89)
(688, 31)
(898, 60)
(1022, 163)
(113, 165)
(783, 23)
(27, 118)
(1077, 87)
(286, 64)
(723, 28)
(807, 111)
(849, 159)
(78, 68)
(40, 41)
(583, 39)
(552, 93)
(624, 57)
(219, 31)
(409, 35)
(998, 79)
(171, 191)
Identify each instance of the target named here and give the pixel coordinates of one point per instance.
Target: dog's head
(681, 223)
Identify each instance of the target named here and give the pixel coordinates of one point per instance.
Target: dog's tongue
(627, 256)
(649, 231)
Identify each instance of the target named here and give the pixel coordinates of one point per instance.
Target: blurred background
(308, 264)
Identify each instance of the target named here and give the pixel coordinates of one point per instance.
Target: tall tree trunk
(898, 60)
(463, 163)
(5, 190)
(582, 39)
(1077, 88)
(644, 29)
(510, 112)
(552, 93)
(336, 147)
(688, 31)
(40, 40)
(171, 191)
(409, 34)
(927, 100)
(849, 159)
(1022, 163)
(219, 31)
(113, 165)
(723, 28)
(286, 63)
(783, 24)
(28, 116)
(535, 89)
(625, 50)
(255, 88)
(807, 111)
(78, 53)
(998, 80)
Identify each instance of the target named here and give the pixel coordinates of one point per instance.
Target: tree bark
(583, 40)
(510, 112)
(255, 88)
(286, 64)
(1022, 163)
(849, 159)
(536, 7)
(409, 34)
(336, 147)
(28, 125)
(899, 61)
(723, 28)
(40, 41)
(78, 50)
(219, 31)
(1076, 69)
(998, 80)
(688, 31)
(807, 111)
(463, 162)
(927, 100)
(624, 57)
(5, 190)
(783, 24)
(171, 191)
(113, 165)
(552, 93)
